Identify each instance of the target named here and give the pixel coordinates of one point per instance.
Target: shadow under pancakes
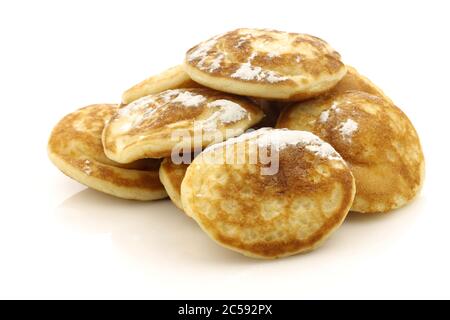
(154, 232)
(377, 231)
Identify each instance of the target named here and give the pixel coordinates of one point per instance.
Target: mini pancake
(266, 64)
(178, 121)
(172, 78)
(269, 213)
(171, 176)
(377, 140)
(75, 147)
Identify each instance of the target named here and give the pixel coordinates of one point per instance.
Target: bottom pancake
(75, 147)
(269, 209)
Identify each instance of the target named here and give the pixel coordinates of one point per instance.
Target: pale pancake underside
(376, 139)
(269, 216)
(75, 147)
(266, 64)
(153, 126)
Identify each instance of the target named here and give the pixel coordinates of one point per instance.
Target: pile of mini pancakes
(265, 138)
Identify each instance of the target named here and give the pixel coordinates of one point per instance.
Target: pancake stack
(267, 139)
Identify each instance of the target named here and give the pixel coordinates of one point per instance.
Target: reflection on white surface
(158, 232)
(144, 230)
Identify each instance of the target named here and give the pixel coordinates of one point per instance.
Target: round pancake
(265, 64)
(157, 125)
(376, 139)
(171, 176)
(75, 147)
(172, 78)
(269, 214)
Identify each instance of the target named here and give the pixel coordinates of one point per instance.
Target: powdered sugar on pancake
(228, 112)
(188, 99)
(324, 116)
(279, 139)
(249, 72)
(216, 63)
(283, 138)
(139, 104)
(347, 129)
(87, 167)
(201, 52)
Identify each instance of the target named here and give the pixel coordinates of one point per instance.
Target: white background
(61, 240)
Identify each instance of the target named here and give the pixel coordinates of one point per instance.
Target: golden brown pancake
(154, 126)
(171, 176)
(173, 78)
(266, 64)
(75, 147)
(377, 140)
(267, 211)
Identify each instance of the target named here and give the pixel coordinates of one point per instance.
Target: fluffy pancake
(274, 213)
(153, 126)
(266, 64)
(172, 78)
(75, 147)
(376, 139)
(171, 176)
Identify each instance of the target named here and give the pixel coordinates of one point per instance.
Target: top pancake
(153, 126)
(75, 147)
(266, 64)
(376, 139)
(238, 201)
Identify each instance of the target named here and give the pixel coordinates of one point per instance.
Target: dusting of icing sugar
(228, 112)
(248, 72)
(242, 40)
(347, 129)
(169, 94)
(335, 108)
(298, 59)
(201, 52)
(215, 64)
(87, 167)
(134, 106)
(273, 77)
(252, 56)
(324, 116)
(272, 54)
(282, 138)
(188, 99)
